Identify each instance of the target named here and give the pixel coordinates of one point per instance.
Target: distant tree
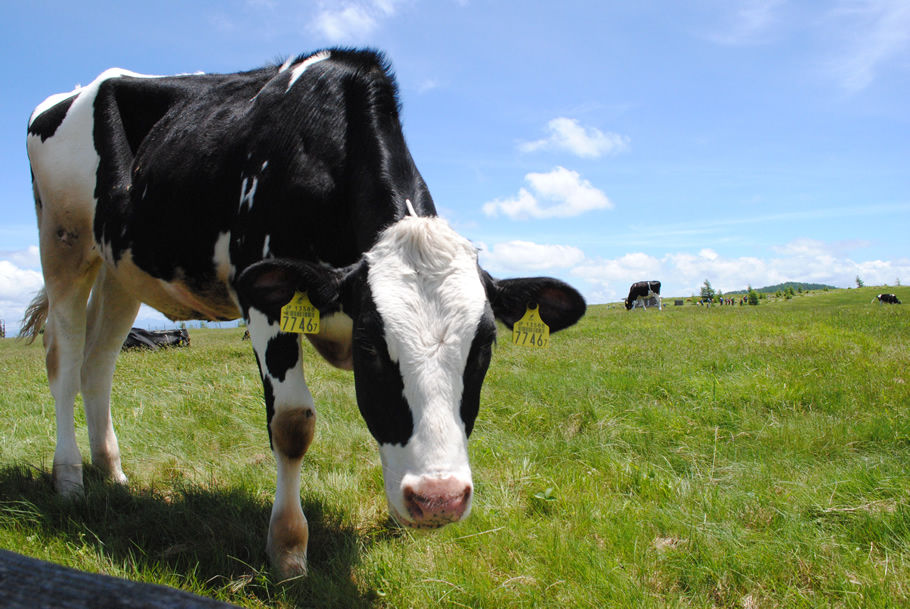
(898, 282)
(859, 282)
(753, 296)
(707, 292)
(789, 293)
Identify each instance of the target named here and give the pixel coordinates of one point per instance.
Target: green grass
(731, 457)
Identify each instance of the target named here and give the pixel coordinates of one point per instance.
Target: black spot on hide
(45, 124)
(281, 355)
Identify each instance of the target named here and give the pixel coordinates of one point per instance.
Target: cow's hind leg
(111, 312)
(64, 340)
(291, 417)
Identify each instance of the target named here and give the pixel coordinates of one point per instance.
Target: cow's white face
(419, 360)
(422, 329)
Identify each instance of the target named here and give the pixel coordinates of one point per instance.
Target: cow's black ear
(560, 304)
(270, 284)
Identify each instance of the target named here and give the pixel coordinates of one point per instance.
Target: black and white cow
(642, 292)
(285, 178)
(888, 299)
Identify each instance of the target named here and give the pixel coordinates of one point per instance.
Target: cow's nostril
(413, 501)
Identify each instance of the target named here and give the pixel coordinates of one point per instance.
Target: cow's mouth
(415, 524)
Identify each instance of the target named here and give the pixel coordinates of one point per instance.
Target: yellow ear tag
(300, 315)
(530, 330)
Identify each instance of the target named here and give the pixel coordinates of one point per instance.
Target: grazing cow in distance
(287, 179)
(643, 293)
(888, 299)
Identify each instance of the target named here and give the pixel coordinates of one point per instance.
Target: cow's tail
(35, 316)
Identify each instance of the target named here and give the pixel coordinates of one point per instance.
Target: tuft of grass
(731, 457)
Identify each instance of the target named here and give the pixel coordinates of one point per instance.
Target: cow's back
(181, 182)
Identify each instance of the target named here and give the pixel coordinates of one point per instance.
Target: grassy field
(732, 457)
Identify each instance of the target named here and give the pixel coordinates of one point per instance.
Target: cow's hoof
(118, 477)
(288, 564)
(110, 467)
(286, 546)
(68, 480)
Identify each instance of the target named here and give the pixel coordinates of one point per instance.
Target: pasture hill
(746, 457)
(783, 287)
(820, 294)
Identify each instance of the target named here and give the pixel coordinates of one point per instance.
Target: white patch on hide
(426, 285)
(301, 67)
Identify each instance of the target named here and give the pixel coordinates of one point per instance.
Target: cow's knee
(292, 432)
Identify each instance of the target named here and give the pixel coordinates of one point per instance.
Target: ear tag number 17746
(530, 330)
(299, 315)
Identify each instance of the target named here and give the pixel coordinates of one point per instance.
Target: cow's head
(423, 329)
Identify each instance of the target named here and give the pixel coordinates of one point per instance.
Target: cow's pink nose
(433, 502)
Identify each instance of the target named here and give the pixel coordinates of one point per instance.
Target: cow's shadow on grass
(211, 538)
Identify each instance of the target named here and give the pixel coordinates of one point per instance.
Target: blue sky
(744, 142)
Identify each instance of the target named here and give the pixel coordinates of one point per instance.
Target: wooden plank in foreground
(29, 583)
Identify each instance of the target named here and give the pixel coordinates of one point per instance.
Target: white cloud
(802, 247)
(606, 272)
(428, 85)
(20, 281)
(683, 273)
(262, 4)
(528, 256)
(724, 273)
(385, 7)
(587, 142)
(875, 33)
(561, 193)
(347, 21)
(29, 258)
(708, 254)
(17, 288)
(223, 24)
(749, 23)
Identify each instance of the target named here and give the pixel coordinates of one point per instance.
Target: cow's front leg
(291, 418)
